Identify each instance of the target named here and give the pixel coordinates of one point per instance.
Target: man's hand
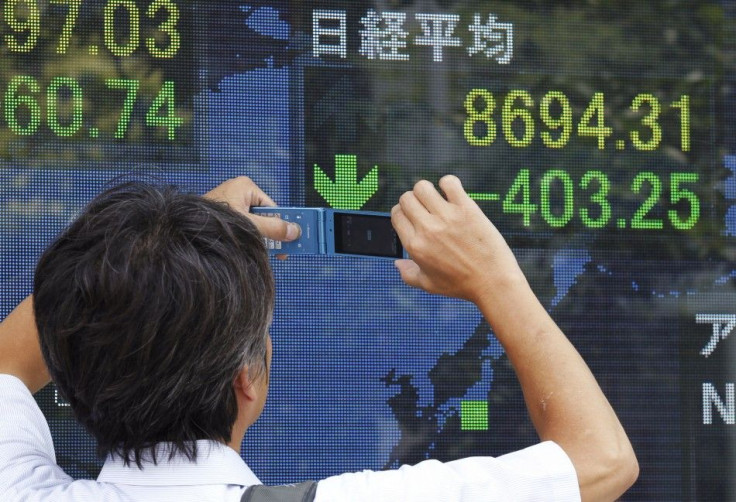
(456, 251)
(20, 350)
(241, 194)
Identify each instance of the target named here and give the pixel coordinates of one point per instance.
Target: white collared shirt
(219, 474)
(29, 473)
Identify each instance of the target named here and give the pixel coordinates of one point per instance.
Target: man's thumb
(410, 272)
(275, 228)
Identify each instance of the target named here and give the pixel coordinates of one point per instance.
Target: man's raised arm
(456, 251)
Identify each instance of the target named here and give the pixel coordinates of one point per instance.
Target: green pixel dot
(474, 415)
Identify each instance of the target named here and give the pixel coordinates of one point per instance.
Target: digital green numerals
(23, 111)
(650, 121)
(561, 123)
(593, 121)
(162, 112)
(122, 46)
(680, 194)
(480, 129)
(519, 114)
(129, 42)
(71, 87)
(131, 96)
(641, 219)
(72, 14)
(562, 179)
(23, 17)
(600, 185)
(684, 106)
(518, 198)
(558, 199)
(122, 26)
(172, 37)
(514, 114)
(26, 104)
(20, 101)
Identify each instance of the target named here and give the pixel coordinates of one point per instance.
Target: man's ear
(244, 387)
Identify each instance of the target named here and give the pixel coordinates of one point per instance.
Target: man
(152, 314)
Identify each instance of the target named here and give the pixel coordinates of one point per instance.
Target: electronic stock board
(598, 136)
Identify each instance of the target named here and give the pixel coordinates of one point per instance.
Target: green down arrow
(346, 192)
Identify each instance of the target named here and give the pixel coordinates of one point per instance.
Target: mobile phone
(337, 232)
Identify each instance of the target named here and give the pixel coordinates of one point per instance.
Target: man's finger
(430, 198)
(401, 224)
(411, 207)
(240, 194)
(410, 272)
(258, 197)
(453, 189)
(276, 228)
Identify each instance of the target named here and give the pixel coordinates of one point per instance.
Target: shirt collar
(216, 464)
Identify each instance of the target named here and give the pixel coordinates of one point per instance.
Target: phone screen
(367, 235)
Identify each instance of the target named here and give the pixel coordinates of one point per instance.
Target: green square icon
(474, 415)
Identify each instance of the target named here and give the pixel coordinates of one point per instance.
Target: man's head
(148, 308)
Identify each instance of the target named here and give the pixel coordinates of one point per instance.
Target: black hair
(148, 305)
